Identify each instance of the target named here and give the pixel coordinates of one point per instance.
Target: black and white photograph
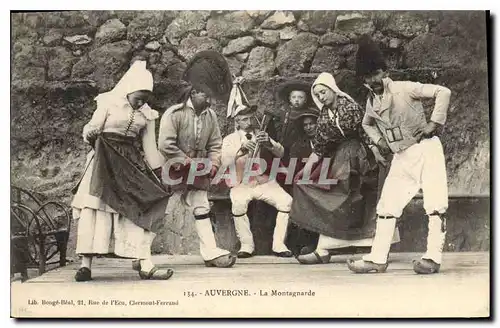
(250, 163)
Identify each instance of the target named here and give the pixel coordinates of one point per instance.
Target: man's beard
(201, 106)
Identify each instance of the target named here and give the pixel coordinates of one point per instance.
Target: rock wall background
(62, 60)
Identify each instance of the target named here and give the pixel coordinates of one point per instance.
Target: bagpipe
(238, 101)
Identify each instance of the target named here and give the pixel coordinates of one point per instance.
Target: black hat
(369, 57)
(286, 88)
(307, 112)
(208, 71)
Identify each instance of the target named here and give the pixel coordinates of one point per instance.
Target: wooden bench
(468, 224)
(39, 232)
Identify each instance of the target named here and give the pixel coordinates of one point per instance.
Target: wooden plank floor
(460, 290)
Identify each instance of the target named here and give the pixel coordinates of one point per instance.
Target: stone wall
(62, 60)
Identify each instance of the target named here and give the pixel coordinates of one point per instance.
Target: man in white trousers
(189, 137)
(396, 122)
(237, 148)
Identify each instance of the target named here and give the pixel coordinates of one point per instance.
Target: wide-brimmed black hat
(208, 71)
(286, 88)
(369, 57)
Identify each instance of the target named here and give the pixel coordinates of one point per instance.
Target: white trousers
(270, 192)
(198, 201)
(420, 166)
(273, 194)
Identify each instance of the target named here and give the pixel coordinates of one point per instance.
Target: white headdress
(136, 78)
(327, 80)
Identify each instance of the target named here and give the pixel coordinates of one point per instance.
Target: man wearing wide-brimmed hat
(189, 137)
(395, 120)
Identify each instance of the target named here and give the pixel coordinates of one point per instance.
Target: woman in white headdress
(342, 211)
(120, 197)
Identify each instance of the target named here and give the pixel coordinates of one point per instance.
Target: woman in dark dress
(120, 198)
(343, 210)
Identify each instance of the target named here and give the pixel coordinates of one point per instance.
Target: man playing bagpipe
(251, 153)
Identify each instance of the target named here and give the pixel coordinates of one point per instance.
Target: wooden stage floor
(261, 287)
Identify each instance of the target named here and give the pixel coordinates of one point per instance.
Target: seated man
(237, 148)
(299, 239)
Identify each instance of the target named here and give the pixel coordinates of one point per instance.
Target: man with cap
(190, 139)
(304, 122)
(396, 122)
(237, 151)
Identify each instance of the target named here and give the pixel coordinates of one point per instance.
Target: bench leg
(62, 246)
(62, 253)
(41, 267)
(19, 258)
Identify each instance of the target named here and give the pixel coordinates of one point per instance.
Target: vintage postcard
(250, 164)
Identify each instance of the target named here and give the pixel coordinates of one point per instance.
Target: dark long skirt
(122, 179)
(346, 210)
